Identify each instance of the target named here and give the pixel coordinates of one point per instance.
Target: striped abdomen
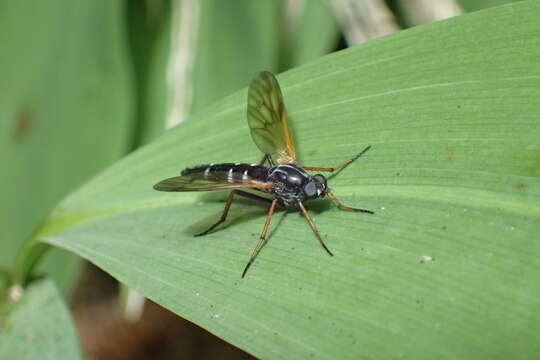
(229, 172)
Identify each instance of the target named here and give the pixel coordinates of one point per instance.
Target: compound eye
(310, 189)
(320, 179)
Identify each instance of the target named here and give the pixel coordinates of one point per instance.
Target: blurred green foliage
(66, 109)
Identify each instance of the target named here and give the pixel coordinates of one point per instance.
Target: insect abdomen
(231, 171)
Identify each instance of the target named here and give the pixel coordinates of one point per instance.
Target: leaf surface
(39, 326)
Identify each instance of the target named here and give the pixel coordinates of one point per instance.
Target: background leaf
(452, 114)
(315, 33)
(65, 111)
(55, 336)
(219, 70)
(149, 39)
(474, 5)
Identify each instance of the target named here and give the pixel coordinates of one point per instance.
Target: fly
(277, 174)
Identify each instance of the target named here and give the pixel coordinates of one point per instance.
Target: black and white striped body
(290, 183)
(231, 172)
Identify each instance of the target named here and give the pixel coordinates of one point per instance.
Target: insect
(288, 184)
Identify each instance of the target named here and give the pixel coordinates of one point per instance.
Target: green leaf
(65, 111)
(446, 268)
(234, 40)
(38, 326)
(314, 33)
(474, 5)
(149, 39)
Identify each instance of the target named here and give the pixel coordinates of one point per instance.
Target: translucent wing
(267, 119)
(200, 182)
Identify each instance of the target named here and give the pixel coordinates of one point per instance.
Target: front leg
(313, 227)
(344, 207)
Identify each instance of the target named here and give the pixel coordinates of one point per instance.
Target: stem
(5, 277)
(27, 259)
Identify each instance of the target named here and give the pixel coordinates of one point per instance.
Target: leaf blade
(55, 336)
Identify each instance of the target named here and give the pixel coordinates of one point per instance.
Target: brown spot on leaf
(23, 123)
(521, 187)
(450, 154)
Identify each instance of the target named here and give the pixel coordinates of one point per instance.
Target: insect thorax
(288, 181)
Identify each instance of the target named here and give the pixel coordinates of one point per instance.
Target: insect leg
(228, 206)
(313, 227)
(266, 157)
(340, 166)
(262, 239)
(343, 207)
